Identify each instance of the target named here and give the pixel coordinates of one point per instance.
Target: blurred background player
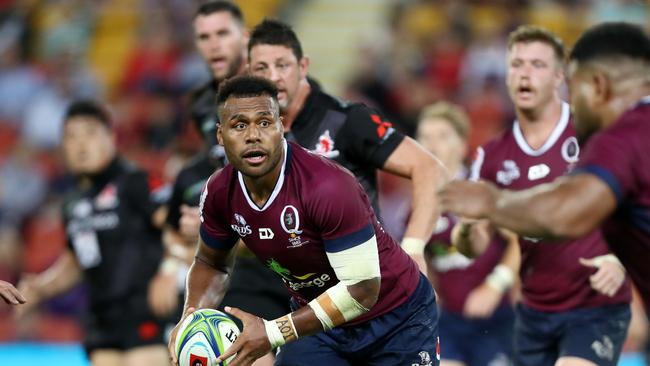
(575, 300)
(10, 294)
(353, 135)
(112, 225)
(608, 75)
(465, 312)
(358, 298)
(221, 39)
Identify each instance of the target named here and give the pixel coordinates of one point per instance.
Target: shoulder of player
(314, 166)
(503, 140)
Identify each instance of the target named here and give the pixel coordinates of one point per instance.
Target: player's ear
(304, 66)
(602, 84)
(219, 134)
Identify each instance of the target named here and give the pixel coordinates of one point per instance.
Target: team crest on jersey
(509, 173)
(107, 198)
(425, 359)
(325, 146)
(290, 222)
(240, 226)
(570, 150)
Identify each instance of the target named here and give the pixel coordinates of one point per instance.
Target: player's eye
(239, 126)
(539, 64)
(260, 70)
(265, 123)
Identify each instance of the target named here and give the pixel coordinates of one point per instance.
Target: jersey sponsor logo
(538, 171)
(101, 221)
(384, 128)
(266, 233)
(82, 209)
(325, 146)
(509, 173)
(240, 226)
(290, 222)
(107, 198)
(296, 282)
(604, 349)
(570, 150)
(425, 359)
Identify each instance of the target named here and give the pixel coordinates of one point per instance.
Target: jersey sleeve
(344, 222)
(610, 157)
(368, 137)
(214, 230)
(140, 190)
(175, 202)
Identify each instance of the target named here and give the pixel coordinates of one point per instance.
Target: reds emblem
(325, 145)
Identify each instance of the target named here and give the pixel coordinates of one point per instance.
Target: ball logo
(198, 360)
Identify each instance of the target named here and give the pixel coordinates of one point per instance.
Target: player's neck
(292, 111)
(538, 125)
(261, 188)
(624, 100)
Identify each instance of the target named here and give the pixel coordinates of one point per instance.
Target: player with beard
(575, 301)
(609, 80)
(221, 39)
(358, 298)
(355, 136)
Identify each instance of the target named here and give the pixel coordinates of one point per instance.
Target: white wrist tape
(336, 306)
(413, 245)
(169, 265)
(598, 261)
(356, 264)
(501, 278)
(280, 330)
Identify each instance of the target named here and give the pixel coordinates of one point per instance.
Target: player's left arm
(426, 173)
(568, 207)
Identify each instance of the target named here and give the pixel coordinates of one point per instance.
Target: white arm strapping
(356, 264)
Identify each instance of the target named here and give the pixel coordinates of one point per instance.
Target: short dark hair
(613, 39)
(276, 33)
(532, 33)
(218, 6)
(87, 108)
(246, 86)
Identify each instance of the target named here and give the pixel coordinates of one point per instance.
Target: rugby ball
(203, 336)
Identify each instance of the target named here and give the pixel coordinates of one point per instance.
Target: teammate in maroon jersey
(567, 306)
(461, 283)
(610, 187)
(357, 297)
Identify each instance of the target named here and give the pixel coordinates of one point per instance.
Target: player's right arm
(60, 277)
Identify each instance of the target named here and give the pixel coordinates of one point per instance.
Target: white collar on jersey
(555, 135)
(278, 184)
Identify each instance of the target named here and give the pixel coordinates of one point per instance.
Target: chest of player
(513, 168)
(320, 133)
(286, 240)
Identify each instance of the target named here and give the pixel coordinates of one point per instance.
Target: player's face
(221, 42)
(279, 64)
(251, 133)
(534, 74)
(582, 94)
(439, 137)
(88, 145)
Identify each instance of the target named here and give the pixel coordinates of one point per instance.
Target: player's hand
(251, 344)
(171, 346)
(10, 294)
(163, 294)
(610, 275)
(482, 301)
(475, 200)
(189, 223)
(27, 287)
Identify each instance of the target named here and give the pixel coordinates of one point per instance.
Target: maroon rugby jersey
(457, 274)
(620, 156)
(316, 206)
(552, 277)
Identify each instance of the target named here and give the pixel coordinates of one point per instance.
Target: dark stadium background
(138, 57)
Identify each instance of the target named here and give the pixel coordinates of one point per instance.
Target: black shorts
(256, 290)
(123, 325)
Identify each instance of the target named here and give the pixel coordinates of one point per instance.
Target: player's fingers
(587, 262)
(234, 348)
(17, 295)
(8, 297)
(237, 313)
